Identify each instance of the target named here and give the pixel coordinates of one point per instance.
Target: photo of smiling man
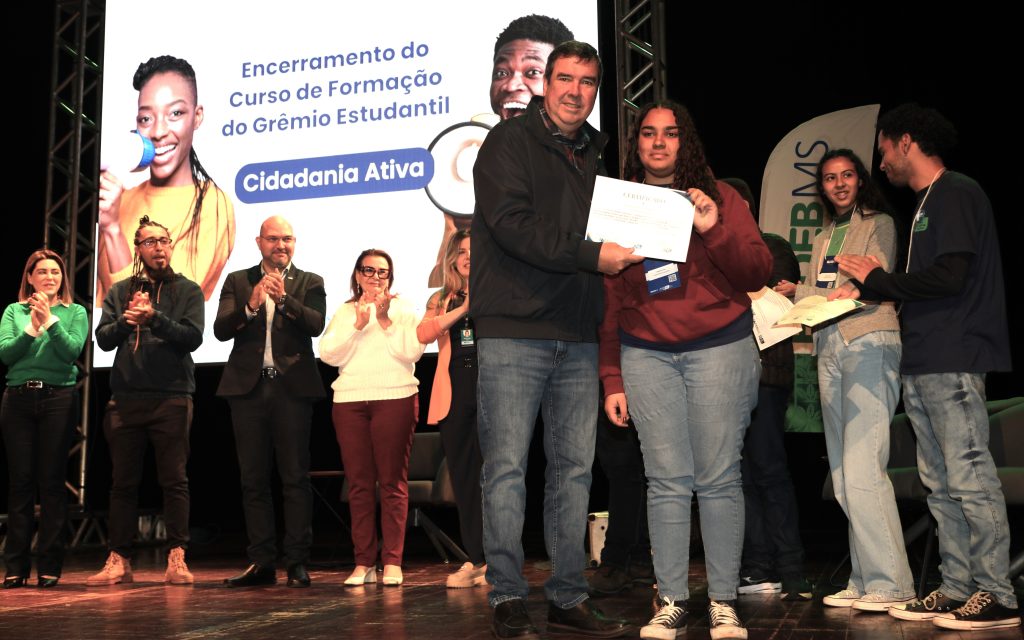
(520, 55)
(179, 191)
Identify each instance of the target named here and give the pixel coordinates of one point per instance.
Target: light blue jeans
(518, 377)
(691, 411)
(860, 386)
(950, 420)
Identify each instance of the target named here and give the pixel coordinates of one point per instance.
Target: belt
(269, 372)
(33, 385)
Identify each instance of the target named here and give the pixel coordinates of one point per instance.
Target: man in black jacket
(155, 321)
(537, 300)
(273, 311)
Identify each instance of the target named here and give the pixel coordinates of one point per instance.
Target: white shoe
(877, 602)
(117, 569)
(177, 571)
(467, 576)
(362, 575)
(844, 598)
(392, 575)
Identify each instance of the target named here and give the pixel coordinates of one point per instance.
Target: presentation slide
(358, 122)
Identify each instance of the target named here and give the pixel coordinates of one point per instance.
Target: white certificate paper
(654, 221)
(767, 307)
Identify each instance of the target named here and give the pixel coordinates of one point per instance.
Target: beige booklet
(767, 307)
(813, 310)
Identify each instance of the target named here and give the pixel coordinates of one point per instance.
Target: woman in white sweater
(372, 340)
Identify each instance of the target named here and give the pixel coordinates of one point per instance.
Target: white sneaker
(177, 571)
(844, 598)
(117, 569)
(666, 623)
(467, 576)
(724, 621)
(878, 602)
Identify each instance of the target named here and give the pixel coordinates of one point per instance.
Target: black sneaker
(724, 623)
(933, 605)
(981, 611)
(512, 620)
(758, 584)
(608, 581)
(796, 588)
(667, 620)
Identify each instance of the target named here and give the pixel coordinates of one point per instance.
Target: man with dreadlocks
(155, 321)
(179, 190)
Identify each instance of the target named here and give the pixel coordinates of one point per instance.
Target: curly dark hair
(200, 178)
(573, 49)
(869, 196)
(692, 168)
(534, 27)
(933, 133)
(357, 290)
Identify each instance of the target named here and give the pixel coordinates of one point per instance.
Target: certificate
(767, 307)
(654, 221)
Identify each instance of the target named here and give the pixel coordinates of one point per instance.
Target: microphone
(123, 154)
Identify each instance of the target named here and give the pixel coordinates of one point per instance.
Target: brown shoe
(117, 569)
(177, 571)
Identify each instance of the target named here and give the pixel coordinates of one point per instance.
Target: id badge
(466, 336)
(829, 273)
(661, 275)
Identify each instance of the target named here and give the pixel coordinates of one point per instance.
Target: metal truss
(640, 61)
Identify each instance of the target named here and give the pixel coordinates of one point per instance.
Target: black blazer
(296, 323)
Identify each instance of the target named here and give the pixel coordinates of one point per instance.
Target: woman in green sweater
(41, 336)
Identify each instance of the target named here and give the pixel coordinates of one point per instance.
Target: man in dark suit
(273, 311)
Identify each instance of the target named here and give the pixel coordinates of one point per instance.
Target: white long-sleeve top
(373, 364)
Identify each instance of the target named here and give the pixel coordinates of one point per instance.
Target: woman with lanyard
(858, 379)
(677, 356)
(453, 401)
(41, 336)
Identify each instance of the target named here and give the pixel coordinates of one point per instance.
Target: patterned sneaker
(796, 587)
(877, 602)
(117, 569)
(980, 612)
(933, 605)
(667, 622)
(467, 576)
(844, 598)
(753, 584)
(177, 571)
(724, 621)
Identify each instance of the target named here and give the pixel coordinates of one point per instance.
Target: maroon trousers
(375, 437)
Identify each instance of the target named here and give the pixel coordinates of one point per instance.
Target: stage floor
(421, 608)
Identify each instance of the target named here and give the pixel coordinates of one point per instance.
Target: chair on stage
(429, 486)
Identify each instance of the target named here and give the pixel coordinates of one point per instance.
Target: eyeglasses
(369, 272)
(149, 243)
(276, 239)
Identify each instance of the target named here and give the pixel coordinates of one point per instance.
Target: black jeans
(129, 424)
(38, 426)
(627, 541)
(462, 450)
(771, 536)
(269, 425)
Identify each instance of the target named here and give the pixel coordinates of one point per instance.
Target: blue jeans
(950, 420)
(691, 410)
(860, 387)
(518, 377)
